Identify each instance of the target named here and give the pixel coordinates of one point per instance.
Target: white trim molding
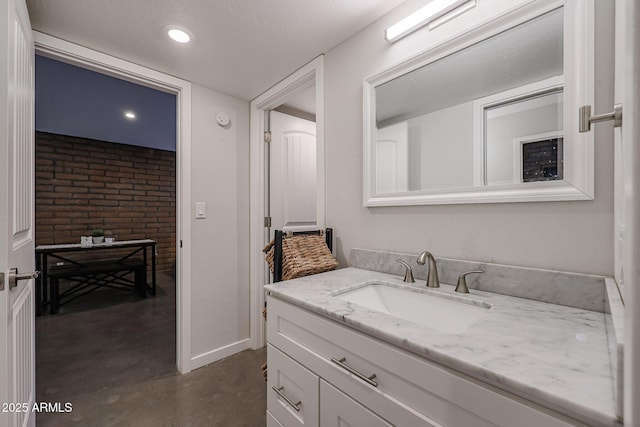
(630, 32)
(529, 92)
(74, 54)
(219, 353)
(272, 98)
(578, 81)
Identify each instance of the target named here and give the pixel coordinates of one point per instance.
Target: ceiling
(240, 47)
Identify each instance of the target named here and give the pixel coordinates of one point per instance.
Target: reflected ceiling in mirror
(462, 121)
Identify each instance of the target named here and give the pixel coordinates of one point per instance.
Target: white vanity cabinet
(272, 421)
(337, 410)
(407, 390)
(293, 394)
(297, 394)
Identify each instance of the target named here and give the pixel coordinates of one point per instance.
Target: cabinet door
(339, 410)
(272, 421)
(292, 391)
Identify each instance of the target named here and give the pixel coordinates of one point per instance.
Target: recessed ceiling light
(178, 34)
(130, 115)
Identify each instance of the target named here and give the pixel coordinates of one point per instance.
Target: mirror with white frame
(485, 118)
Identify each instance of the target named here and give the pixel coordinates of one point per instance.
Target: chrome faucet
(408, 273)
(432, 275)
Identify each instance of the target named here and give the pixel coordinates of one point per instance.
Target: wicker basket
(303, 255)
(269, 250)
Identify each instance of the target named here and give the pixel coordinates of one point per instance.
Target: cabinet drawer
(272, 421)
(428, 394)
(292, 391)
(337, 410)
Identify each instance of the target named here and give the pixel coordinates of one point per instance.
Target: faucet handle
(408, 273)
(461, 287)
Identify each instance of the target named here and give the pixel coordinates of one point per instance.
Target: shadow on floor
(115, 364)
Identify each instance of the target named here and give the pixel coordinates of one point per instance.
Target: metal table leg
(153, 269)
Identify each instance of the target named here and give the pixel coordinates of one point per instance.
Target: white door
(293, 177)
(627, 201)
(17, 344)
(392, 159)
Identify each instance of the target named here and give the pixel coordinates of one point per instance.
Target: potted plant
(97, 236)
(108, 237)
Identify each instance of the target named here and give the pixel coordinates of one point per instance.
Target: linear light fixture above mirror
(421, 17)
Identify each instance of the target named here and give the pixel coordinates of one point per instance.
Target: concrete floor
(112, 356)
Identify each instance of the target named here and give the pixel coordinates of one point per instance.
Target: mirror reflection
(524, 140)
(490, 114)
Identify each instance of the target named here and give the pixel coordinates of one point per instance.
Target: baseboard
(219, 353)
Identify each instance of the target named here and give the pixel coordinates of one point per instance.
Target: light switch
(201, 210)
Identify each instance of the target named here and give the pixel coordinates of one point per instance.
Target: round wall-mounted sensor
(223, 119)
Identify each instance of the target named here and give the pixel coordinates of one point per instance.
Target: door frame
(269, 100)
(629, 11)
(74, 54)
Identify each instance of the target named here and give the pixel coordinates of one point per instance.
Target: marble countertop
(554, 355)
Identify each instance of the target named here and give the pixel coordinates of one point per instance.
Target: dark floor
(112, 356)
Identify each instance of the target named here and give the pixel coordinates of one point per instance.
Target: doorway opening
(291, 164)
(105, 166)
(296, 200)
(70, 53)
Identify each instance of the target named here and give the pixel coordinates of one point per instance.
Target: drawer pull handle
(368, 379)
(296, 405)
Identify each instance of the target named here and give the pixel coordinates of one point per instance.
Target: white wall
(572, 236)
(220, 243)
(447, 147)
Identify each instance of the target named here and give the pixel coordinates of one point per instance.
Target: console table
(55, 255)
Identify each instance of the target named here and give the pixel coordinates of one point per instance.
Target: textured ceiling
(240, 47)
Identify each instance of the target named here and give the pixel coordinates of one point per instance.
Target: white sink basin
(438, 312)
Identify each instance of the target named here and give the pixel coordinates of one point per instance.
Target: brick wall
(542, 160)
(83, 184)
